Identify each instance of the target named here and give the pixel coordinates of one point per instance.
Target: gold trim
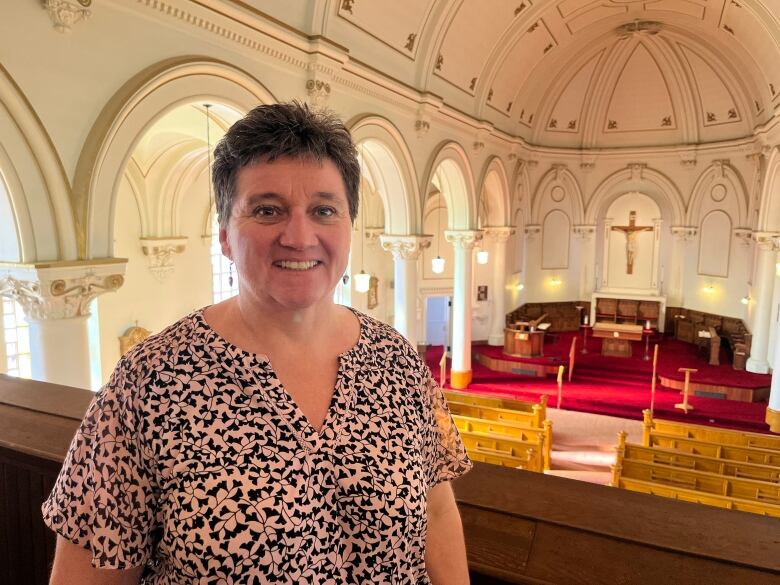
(460, 380)
(772, 419)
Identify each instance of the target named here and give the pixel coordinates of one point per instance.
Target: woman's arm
(445, 550)
(72, 565)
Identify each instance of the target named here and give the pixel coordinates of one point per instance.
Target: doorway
(438, 312)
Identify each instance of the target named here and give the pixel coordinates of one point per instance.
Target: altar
(617, 337)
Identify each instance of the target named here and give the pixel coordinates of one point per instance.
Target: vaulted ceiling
(574, 73)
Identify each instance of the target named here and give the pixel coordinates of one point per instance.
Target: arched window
(220, 267)
(16, 334)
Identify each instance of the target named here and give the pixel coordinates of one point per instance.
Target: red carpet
(621, 386)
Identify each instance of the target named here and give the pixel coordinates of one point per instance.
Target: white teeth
(297, 265)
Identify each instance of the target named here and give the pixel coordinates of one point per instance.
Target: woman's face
(289, 232)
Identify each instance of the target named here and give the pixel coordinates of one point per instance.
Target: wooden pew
(710, 434)
(505, 450)
(725, 467)
(717, 450)
(697, 497)
(751, 495)
(497, 413)
(498, 402)
(509, 429)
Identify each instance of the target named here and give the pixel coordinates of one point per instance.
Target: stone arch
(392, 168)
(637, 178)
(719, 173)
(451, 164)
(129, 114)
(769, 211)
(559, 176)
(494, 193)
(35, 179)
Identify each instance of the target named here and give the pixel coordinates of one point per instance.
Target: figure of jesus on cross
(631, 230)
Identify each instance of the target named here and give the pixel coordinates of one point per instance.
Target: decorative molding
(409, 46)
(465, 239)
(405, 247)
(498, 234)
(584, 231)
(60, 290)
(160, 252)
(372, 235)
(64, 14)
(421, 127)
(721, 165)
(317, 90)
(531, 231)
(685, 233)
(478, 145)
(744, 236)
(636, 170)
(639, 27)
(767, 241)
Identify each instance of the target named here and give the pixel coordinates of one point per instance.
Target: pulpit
(523, 342)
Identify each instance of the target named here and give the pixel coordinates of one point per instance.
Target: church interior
(570, 207)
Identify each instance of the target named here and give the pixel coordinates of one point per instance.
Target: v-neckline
(282, 401)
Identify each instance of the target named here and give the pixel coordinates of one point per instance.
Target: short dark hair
(283, 130)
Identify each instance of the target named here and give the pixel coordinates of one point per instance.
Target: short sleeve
(104, 498)
(445, 454)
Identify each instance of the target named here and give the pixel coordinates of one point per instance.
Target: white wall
(143, 299)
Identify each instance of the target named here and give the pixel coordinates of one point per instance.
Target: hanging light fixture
(208, 153)
(362, 278)
(482, 254)
(437, 264)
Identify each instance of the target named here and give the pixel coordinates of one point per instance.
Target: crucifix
(631, 230)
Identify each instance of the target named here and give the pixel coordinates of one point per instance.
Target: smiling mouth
(300, 266)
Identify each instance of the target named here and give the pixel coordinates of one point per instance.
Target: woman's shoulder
(385, 339)
(164, 349)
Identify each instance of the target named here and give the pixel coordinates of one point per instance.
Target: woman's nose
(299, 232)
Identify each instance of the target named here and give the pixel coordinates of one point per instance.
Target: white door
(437, 313)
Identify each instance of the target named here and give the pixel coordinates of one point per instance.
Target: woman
(274, 437)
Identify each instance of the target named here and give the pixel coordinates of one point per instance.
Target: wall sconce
(745, 300)
(709, 289)
(519, 287)
(556, 281)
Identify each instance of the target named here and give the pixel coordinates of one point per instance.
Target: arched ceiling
(574, 73)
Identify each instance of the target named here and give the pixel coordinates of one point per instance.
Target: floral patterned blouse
(194, 462)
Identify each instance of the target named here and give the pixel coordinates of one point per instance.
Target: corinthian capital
(405, 247)
(684, 233)
(465, 239)
(499, 235)
(60, 290)
(768, 241)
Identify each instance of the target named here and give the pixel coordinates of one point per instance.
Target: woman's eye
(325, 211)
(266, 211)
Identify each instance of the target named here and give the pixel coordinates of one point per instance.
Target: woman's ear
(224, 244)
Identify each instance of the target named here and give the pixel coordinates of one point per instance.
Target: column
(773, 409)
(463, 242)
(406, 251)
(587, 284)
(499, 236)
(56, 298)
(681, 236)
(763, 285)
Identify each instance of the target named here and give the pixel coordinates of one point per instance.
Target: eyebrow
(256, 198)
